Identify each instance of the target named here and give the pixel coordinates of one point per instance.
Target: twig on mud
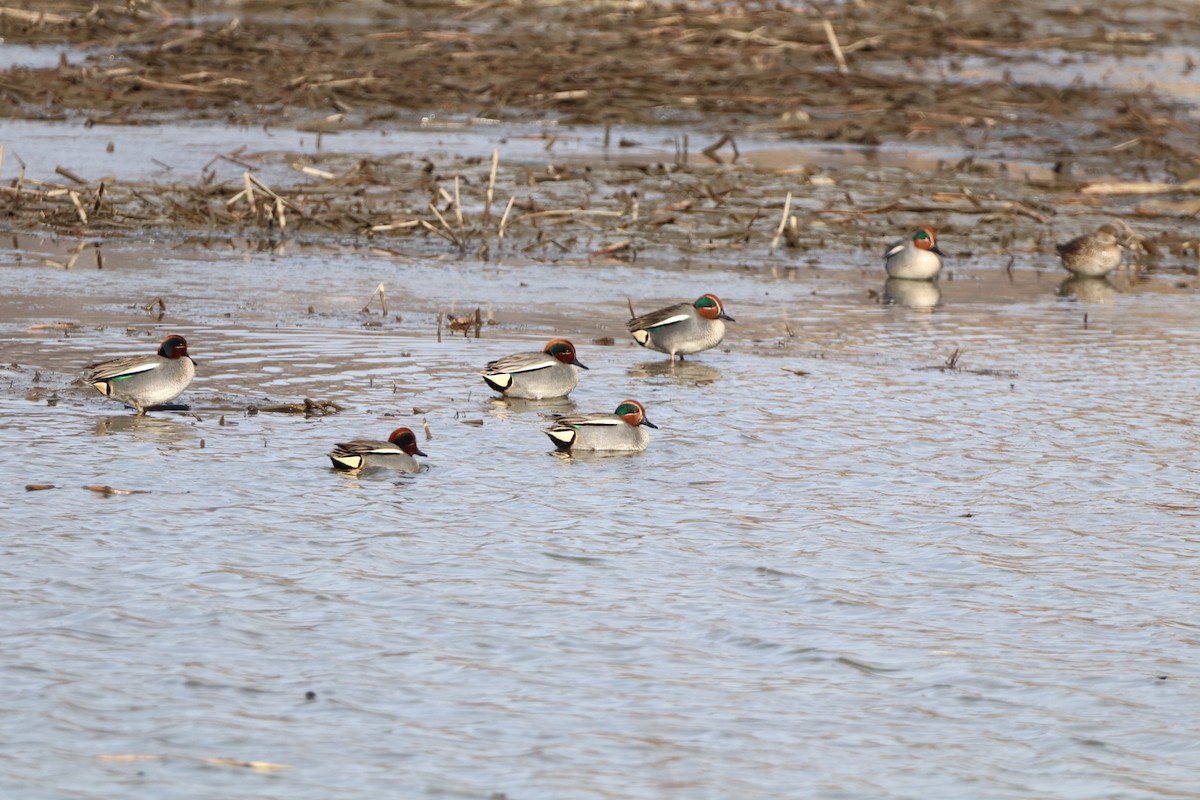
(726, 139)
(569, 212)
(36, 17)
(309, 408)
(615, 247)
(108, 490)
(1137, 187)
(951, 365)
(464, 323)
(394, 226)
(313, 171)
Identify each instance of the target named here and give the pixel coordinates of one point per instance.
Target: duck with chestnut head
(396, 453)
(621, 430)
(682, 329)
(916, 257)
(146, 381)
(536, 376)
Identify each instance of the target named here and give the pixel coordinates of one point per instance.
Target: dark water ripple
(872, 580)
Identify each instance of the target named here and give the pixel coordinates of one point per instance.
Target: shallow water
(868, 580)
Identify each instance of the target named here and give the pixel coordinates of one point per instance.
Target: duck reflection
(593, 455)
(911, 294)
(556, 406)
(1088, 290)
(690, 373)
(158, 429)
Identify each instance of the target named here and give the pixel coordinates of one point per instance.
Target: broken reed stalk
(629, 302)
(439, 325)
(83, 217)
(458, 209)
(249, 190)
(429, 226)
(453, 237)
(382, 300)
(75, 255)
(69, 175)
(491, 187)
(504, 218)
(787, 208)
(835, 47)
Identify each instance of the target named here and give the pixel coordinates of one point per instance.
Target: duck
(396, 453)
(682, 329)
(1092, 255)
(620, 430)
(146, 381)
(916, 257)
(553, 372)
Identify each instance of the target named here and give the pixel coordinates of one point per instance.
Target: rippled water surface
(837, 572)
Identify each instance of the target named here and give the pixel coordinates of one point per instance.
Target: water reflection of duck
(690, 373)
(551, 405)
(912, 294)
(159, 429)
(1088, 290)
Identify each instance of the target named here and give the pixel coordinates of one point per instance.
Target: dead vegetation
(863, 73)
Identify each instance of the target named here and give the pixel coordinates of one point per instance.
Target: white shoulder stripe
(669, 321)
(535, 365)
(894, 250)
(136, 369)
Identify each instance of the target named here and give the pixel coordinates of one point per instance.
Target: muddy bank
(1008, 164)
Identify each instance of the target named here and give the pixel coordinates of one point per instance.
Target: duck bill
(725, 316)
(579, 364)
(938, 250)
(648, 423)
(417, 452)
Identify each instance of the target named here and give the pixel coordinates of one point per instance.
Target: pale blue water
(869, 581)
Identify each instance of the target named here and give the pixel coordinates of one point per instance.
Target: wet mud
(675, 130)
